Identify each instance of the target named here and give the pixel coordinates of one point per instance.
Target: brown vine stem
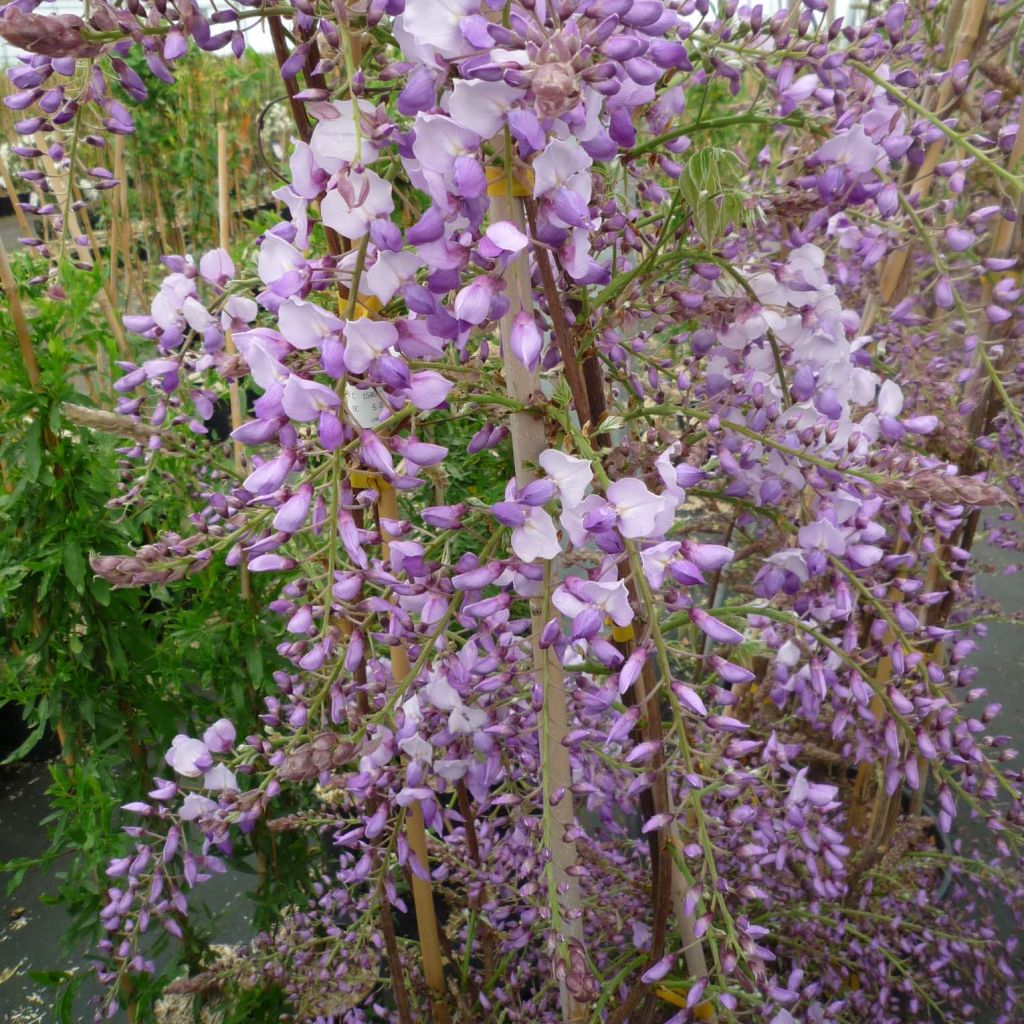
(335, 245)
(473, 845)
(563, 335)
(280, 43)
(21, 328)
(668, 885)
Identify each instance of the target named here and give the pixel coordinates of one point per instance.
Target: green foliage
(173, 152)
(464, 477)
(710, 184)
(118, 672)
(55, 621)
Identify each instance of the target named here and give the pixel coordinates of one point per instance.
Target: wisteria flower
(189, 757)
(611, 599)
(220, 737)
(638, 512)
(572, 475)
(359, 199)
(481, 106)
(536, 537)
(304, 400)
(365, 340)
(336, 139)
(853, 150)
(435, 24)
(306, 325)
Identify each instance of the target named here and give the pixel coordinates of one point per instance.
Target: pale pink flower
(572, 476)
(371, 198)
(365, 340)
(537, 537)
(188, 756)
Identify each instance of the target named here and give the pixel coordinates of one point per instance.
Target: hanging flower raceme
(607, 479)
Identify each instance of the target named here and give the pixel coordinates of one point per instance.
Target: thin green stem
(980, 155)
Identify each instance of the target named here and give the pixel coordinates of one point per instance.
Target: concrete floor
(10, 232)
(31, 930)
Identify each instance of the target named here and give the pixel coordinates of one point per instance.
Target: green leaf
(710, 186)
(74, 564)
(254, 663)
(33, 738)
(49, 977)
(17, 869)
(32, 452)
(100, 589)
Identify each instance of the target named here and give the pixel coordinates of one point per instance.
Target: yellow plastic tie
(668, 996)
(362, 480)
(366, 305)
(497, 183)
(620, 634)
(702, 1011)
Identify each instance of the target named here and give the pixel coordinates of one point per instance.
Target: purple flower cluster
(738, 552)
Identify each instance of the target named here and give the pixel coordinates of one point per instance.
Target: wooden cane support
(528, 441)
(415, 827)
(60, 190)
(965, 28)
(234, 392)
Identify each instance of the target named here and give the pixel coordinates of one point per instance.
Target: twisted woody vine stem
(648, 734)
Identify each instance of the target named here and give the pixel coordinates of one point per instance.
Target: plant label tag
(365, 407)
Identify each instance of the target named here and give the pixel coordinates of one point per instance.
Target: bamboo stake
(415, 827)
(90, 235)
(12, 194)
(120, 222)
(60, 191)
(162, 226)
(234, 392)
(31, 364)
(528, 441)
(21, 328)
(966, 36)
